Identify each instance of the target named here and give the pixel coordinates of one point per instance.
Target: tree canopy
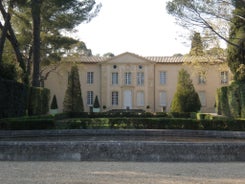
(196, 45)
(57, 18)
(212, 17)
(236, 55)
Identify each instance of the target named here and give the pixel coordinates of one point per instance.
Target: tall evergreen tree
(196, 45)
(186, 98)
(73, 101)
(236, 55)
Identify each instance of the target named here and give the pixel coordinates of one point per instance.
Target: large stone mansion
(136, 82)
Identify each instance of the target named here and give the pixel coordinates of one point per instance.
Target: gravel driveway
(121, 173)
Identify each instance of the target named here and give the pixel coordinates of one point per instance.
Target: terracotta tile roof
(92, 59)
(154, 59)
(165, 59)
(182, 59)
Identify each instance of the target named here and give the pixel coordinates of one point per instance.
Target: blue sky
(139, 26)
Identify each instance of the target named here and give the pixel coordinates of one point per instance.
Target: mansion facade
(129, 81)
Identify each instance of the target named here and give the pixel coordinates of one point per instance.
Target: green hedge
(16, 99)
(230, 100)
(38, 101)
(27, 123)
(154, 123)
(47, 122)
(13, 98)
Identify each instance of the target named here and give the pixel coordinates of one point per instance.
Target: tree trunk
(13, 40)
(35, 8)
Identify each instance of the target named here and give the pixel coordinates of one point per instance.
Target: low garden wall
(19, 146)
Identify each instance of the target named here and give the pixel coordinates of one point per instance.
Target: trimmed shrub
(96, 102)
(13, 98)
(73, 101)
(26, 124)
(38, 101)
(230, 100)
(54, 104)
(185, 98)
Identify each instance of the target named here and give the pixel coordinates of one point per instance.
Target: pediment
(127, 58)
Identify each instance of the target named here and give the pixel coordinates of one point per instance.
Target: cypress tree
(73, 101)
(186, 98)
(236, 52)
(196, 45)
(54, 104)
(96, 102)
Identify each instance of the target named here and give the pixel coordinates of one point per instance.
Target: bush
(181, 114)
(96, 103)
(13, 98)
(8, 71)
(185, 98)
(38, 101)
(54, 104)
(26, 123)
(230, 100)
(155, 123)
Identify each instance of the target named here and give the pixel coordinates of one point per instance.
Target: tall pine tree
(186, 98)
(73, 101)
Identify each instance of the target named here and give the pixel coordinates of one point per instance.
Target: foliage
(212, 17)
(236, 55)
(38, 101)
(96, 102)
(230, 100)
(73, 101)
(153, 123)
(222, 106)
(13, 98)
(185, 99)
(54, 104)
(17, 98)
(27, 123)
(196, 45)
(8, 71)
(57, 18)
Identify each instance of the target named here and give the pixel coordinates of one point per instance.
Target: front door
(127, 99)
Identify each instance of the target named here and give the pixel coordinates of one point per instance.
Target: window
(140, 78)
(90, 77)
(163, 78)
(202, 78)
(224, 77)
(114, 78)
(127, 78)
(163, 99)
(114, 66)
(140, 98)
(114, 98)
(90, 97)
(202, 97)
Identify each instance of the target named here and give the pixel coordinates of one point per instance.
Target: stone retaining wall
(121, 150)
